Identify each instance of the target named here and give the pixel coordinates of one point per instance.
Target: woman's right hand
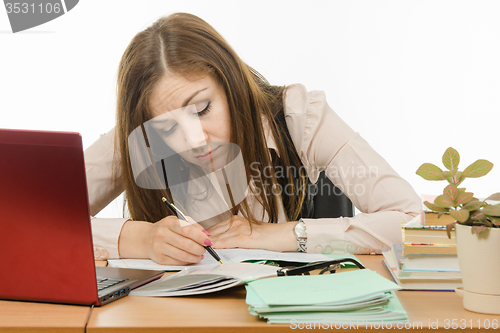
(169, 241)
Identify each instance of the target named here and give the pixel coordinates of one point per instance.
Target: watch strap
(301, 235)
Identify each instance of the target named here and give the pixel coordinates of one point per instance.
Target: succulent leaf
(447, 174)
(492, 210)
(464, 198)
(435, 207)
(449, 228)
(451, 159)
(451, 191)
(477, 169)
(460, 178)
(429, 171)
(462, 205)
(477, 215)
(461, 215)
(477, 229)
(473, 205)
(444, 201)
(495, 197)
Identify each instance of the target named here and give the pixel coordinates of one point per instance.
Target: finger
(176, 223)
(225, 235)
(193, 223)
(185, 228)
(231, 243)
(220, 227)
(183, 255)
(239, 226)
(164, 259)
(185, 238)
(183, 223)
(191, 241)
(171, 222)
(164, 246)
(190, 222)
(198, 235)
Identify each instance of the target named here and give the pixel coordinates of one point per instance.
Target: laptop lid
(45, 239)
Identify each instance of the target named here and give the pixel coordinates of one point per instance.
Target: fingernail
(202, 257)
(206, 233)
(208, 242)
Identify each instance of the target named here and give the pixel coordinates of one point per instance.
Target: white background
(413, 77)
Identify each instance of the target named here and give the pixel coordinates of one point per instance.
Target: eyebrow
(192, 96)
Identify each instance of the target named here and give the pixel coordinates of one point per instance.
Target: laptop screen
(45, 239)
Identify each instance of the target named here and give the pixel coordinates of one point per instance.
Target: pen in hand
(181, 216)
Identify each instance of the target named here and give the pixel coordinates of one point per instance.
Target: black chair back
(329, 201)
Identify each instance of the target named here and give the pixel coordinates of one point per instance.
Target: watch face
(300, 229)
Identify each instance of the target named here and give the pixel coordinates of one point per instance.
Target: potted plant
(477, 228)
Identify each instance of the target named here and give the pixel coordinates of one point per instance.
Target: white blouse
(324, 142)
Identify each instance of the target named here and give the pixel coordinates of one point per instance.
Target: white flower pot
(480, 267)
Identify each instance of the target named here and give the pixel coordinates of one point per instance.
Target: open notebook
(206, 278)
(202, 280)
(229, 256)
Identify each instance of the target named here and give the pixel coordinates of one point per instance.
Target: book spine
(429, 227)
(420, 248)
(430, 218)
(412, 239)
(429, 244)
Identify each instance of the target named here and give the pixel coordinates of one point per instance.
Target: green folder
(362, 296)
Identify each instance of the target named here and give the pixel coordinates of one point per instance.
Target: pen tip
(220, 262)
(163, 199)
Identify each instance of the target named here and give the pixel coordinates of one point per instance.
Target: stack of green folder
(358, 297)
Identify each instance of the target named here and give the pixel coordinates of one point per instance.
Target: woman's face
(192, 116)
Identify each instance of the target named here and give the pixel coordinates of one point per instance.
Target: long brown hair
(186, 45)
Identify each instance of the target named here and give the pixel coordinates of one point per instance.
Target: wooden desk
(219, 312)
(227, 312)
(42, 317)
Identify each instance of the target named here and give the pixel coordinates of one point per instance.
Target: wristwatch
(301, 234)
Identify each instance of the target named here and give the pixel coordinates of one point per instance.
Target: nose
(194, 135)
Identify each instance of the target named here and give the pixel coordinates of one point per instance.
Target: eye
(205, 108)
(171, 130)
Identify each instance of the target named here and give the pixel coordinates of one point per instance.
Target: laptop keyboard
(103, 283)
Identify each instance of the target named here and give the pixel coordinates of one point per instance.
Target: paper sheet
(228, 256)
(199, 280)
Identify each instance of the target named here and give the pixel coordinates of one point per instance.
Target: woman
(182, 63)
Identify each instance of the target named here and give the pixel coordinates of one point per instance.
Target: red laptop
(46, 251)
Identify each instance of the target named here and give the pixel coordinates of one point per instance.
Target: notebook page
(227, 255)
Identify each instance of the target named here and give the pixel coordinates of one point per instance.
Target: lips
(206, 156)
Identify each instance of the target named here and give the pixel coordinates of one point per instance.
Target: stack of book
(427, 260)
(429, 236)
